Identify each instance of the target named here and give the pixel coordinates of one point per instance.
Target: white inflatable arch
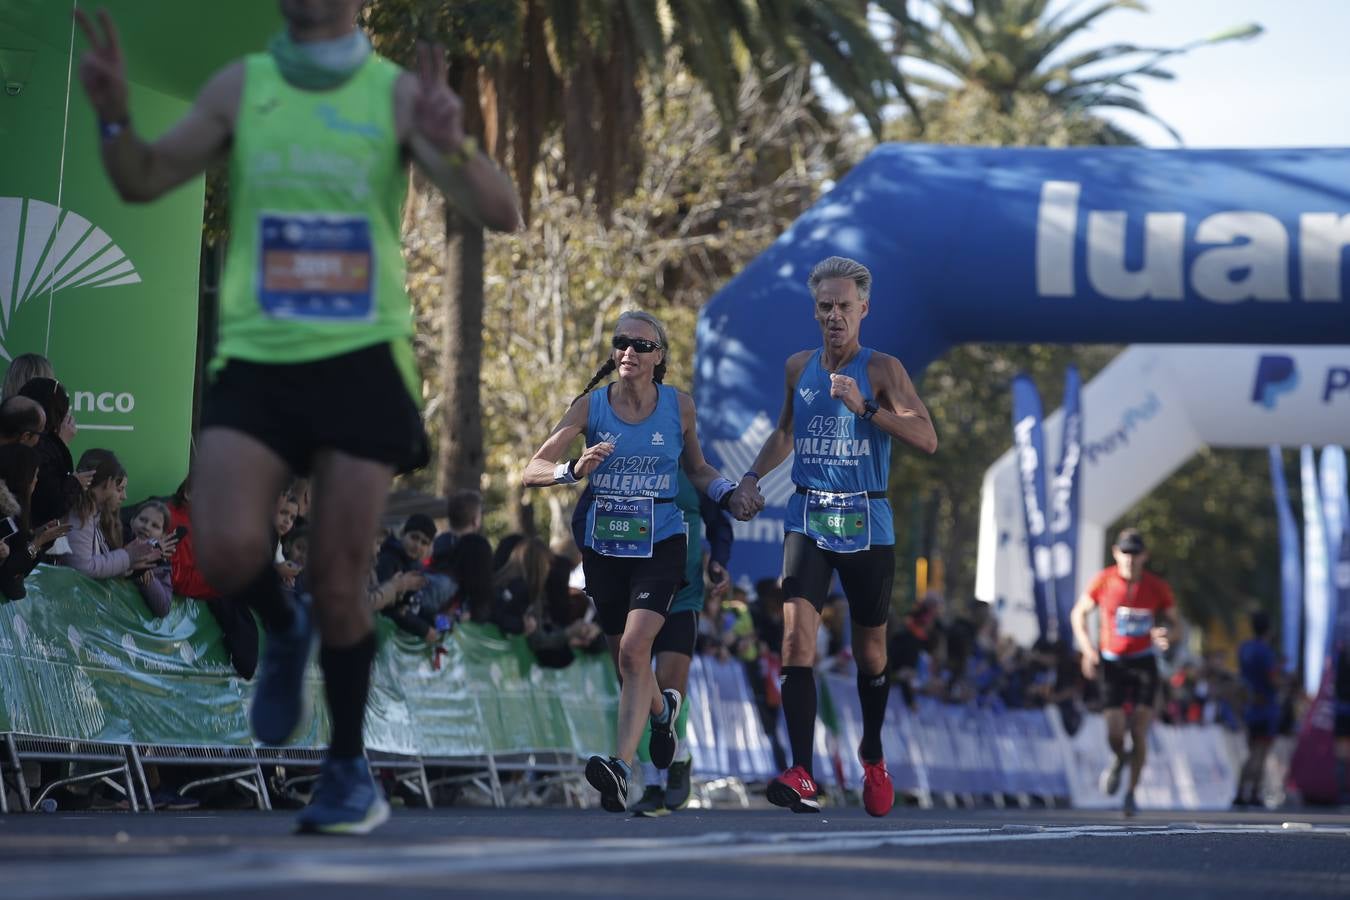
(1149, 411)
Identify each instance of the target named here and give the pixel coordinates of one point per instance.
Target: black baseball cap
(1130, 541)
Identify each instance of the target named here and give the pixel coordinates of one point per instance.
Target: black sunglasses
(623, 342)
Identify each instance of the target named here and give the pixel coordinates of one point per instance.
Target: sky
(1280, 89)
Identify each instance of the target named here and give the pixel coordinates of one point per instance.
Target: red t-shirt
(1128, 610)
(188, 580)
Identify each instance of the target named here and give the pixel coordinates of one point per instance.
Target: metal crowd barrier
(87, 676)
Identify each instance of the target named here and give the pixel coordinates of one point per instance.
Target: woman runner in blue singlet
(638, 434)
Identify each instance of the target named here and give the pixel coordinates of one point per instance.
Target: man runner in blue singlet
(843, 404)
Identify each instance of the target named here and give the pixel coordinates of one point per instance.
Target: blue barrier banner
(1029, 440)
(1064, 500)
(725, 734)
(1291, 566)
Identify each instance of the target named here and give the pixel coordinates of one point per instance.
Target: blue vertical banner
(1064, 499)
(1336, 512)
(1029, 440)
(1291, 565)
(1317, 610)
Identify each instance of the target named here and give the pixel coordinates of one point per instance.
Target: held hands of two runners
(102, 69)
(746, 500)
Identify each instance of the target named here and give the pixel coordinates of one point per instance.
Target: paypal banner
(1118, 245)
(1029, 439)
(1064, 505)
(1291, 566)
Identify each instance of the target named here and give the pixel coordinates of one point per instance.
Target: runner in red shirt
(1136, 609)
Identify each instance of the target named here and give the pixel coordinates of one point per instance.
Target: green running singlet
(317, 183)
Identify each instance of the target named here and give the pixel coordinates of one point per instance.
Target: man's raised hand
(438, 113)
(102, 69)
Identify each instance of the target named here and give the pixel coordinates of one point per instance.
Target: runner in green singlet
(314, 371)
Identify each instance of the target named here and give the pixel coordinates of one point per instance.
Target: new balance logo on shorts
(644, 595)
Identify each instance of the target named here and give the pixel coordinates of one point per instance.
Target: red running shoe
(794, 789)
(878, 791)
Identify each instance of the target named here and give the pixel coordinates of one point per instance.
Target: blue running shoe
(346, 800)
(280, 702)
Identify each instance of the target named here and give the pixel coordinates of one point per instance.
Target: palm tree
(530, 68)
(1011, 47)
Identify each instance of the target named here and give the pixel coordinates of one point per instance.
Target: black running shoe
(607, 777)
(1129, 808)
(652, 804)
(1110, 778)
(662, 745)
(677, 784)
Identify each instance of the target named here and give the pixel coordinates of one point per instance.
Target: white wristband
(563, 474)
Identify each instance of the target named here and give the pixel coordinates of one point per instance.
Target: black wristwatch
(869, 410)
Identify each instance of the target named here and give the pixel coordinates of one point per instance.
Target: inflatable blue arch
(1082, 245)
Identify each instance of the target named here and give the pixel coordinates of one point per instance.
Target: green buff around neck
(321, 65)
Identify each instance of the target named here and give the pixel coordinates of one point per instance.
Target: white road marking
(382, 865)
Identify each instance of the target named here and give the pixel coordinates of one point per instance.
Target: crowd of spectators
(959, 657)
(425, 580)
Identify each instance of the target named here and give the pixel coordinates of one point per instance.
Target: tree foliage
(1007, 49)
(701, 209)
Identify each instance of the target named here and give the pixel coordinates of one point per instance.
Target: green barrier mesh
(82, 659)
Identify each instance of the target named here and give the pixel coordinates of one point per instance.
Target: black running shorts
(678, 635)
(866, 576)
(356, 403)
(619, 584)
(1133, 680)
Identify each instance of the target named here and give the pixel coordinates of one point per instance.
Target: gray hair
(841, 267)
(651, 320)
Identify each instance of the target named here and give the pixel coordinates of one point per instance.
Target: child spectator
(151, 523)
(414, 612)
(288, 508)
(96, 531)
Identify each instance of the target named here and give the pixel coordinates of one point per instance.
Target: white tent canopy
(1144, 415)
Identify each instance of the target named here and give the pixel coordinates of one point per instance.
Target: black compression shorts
(619, 584)
(866, 576)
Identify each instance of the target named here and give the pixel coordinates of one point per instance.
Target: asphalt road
(704, 854)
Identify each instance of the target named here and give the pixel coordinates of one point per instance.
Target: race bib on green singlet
(623, 526)
(316, 267)
(1132, 622)
(839, 522)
